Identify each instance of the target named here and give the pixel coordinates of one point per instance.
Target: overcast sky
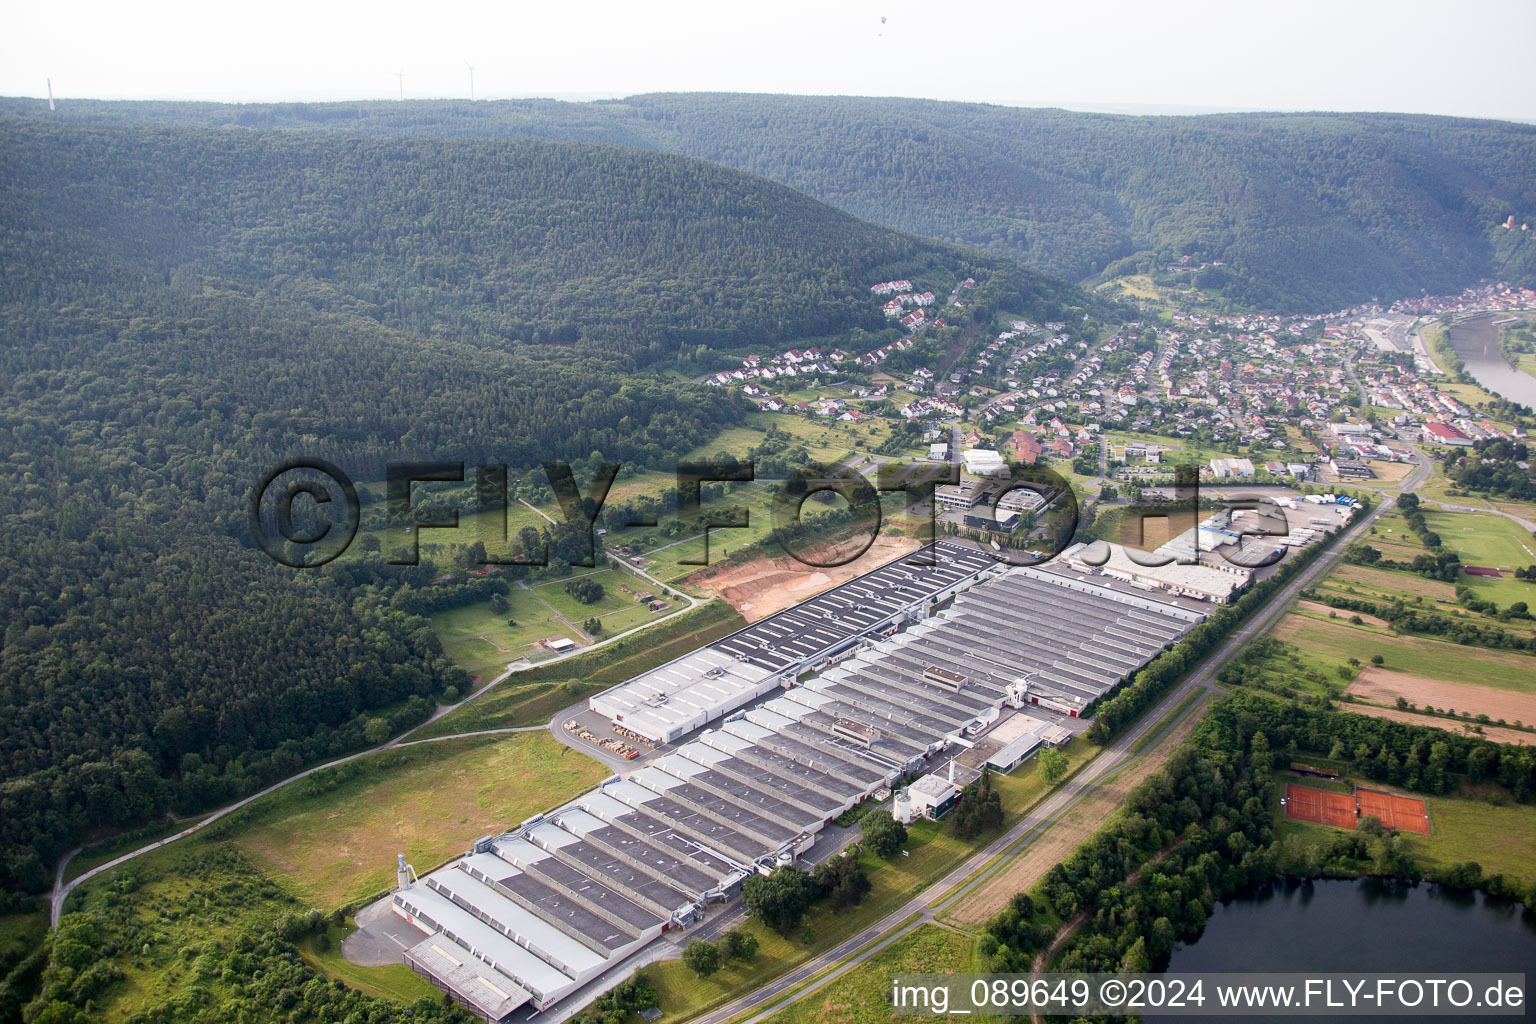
(1468, 57)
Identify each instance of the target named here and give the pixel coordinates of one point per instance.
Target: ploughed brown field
(1382, 686)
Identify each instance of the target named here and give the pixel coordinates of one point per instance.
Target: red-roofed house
(1444, 433)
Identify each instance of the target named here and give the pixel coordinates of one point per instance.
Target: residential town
(1328, 398)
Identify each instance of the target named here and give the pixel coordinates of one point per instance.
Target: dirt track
(763, 586)
(1317, 606)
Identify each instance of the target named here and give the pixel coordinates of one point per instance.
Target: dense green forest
(182, 308)
(1304, 211)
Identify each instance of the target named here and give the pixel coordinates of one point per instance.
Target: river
(1477, 343)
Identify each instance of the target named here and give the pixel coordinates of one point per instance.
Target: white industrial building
(1217, 583)
(985, 462)
(682, 695)
(530, 916)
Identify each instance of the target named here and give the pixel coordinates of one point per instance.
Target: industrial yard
(741, 753)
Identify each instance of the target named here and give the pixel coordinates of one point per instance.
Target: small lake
(1367, 925)
(1477, 342)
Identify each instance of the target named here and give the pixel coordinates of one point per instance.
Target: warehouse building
(685, 694)
(530, 916)
(1216, 583)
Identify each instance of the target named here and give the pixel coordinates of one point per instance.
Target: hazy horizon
(1123, 109)
(1116, 57)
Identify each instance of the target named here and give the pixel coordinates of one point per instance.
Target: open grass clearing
(617, 608)
(530, 696)
(481, 642)
(862, 995)
(332, 839)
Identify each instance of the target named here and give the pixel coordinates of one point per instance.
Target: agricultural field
(1460, 724)
(1335, 641)
(1387, 585)
(1379, 686)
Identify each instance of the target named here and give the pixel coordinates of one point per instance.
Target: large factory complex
(764, 738)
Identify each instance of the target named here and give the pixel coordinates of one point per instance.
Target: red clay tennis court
(1319, 805)
(1399, 812)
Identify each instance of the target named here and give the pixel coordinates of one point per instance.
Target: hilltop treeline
(1301, 211)
(492, 243)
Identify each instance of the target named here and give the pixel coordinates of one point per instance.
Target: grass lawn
(393, 981)
(1502, 592)
(1185, 449)
(20, 933)
(1484, 540)
(1501, 839)
(1493, 541)
(332, 839)
(480, 641)
(1336, 641)
(617, 607)
(862, 996)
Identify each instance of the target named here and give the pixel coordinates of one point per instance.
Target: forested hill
(181, 308)
(481, 241)
(1306, 211)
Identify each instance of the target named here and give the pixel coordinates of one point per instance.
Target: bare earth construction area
(763, 586)
(1380, 686)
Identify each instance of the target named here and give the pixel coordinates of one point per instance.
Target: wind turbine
(401, 76)
(471, 82)
(50, 94)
